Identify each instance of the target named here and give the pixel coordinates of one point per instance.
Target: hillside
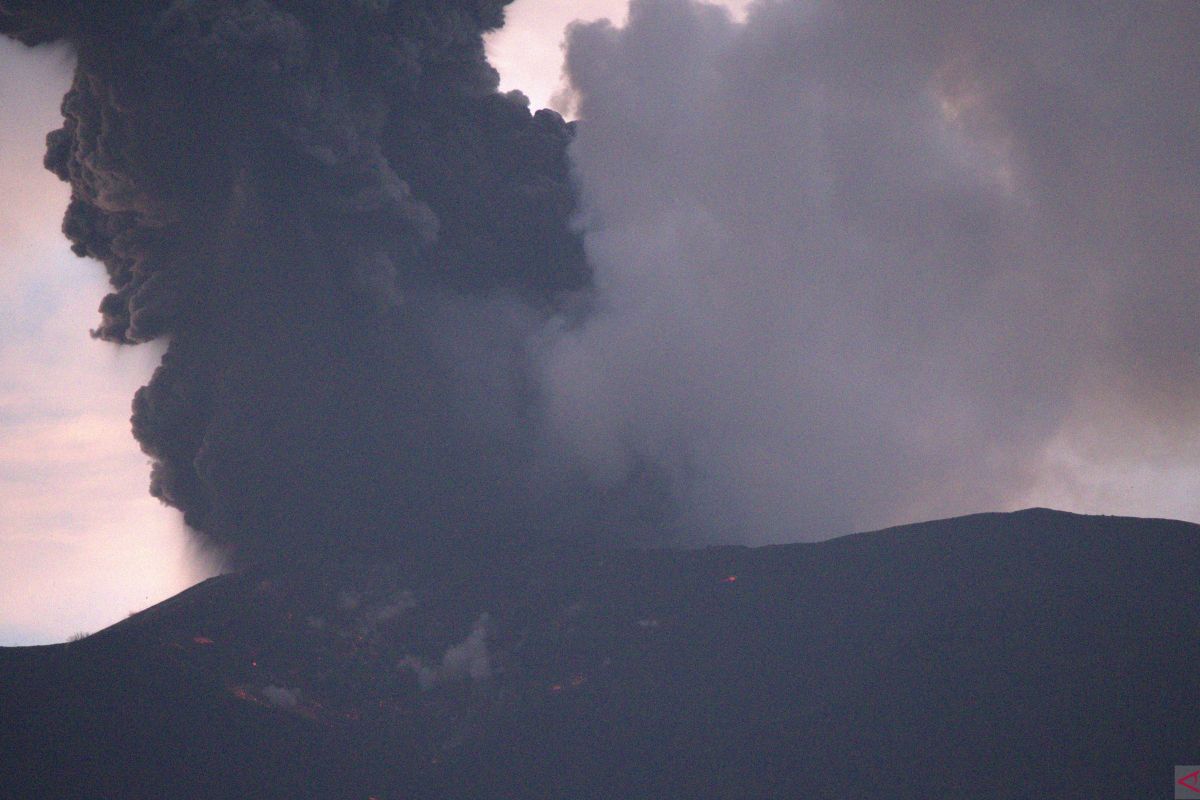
(1033, 654)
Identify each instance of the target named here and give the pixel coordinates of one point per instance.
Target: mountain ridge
(1008, 654)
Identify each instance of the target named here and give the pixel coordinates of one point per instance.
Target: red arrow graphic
(1191, 781)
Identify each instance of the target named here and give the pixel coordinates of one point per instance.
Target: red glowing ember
(729, 579)
(202, 640)
(243, 694)
(558, 687)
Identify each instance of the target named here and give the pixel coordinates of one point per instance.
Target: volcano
(1032, 654)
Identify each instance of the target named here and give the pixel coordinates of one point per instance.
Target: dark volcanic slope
(1036, 654)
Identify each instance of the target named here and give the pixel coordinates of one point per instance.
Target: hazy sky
(79, 548)
(854, 269)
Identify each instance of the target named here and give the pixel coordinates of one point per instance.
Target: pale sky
(82, 543)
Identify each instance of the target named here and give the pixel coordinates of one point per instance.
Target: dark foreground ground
(1028, 655)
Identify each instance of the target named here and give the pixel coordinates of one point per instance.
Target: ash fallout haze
(793, 269)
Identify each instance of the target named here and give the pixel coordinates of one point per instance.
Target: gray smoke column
(345, 234)
(859, 263)
(848, 263)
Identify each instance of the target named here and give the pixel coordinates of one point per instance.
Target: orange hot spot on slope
(245, 695)
(202, 640)
(574, 682)
(729, 579)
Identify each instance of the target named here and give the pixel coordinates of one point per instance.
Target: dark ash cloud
(324, 209)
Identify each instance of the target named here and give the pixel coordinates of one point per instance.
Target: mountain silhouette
(1032, 654)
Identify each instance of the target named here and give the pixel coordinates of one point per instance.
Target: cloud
(863, 263)
(528, 50)
(467, 660)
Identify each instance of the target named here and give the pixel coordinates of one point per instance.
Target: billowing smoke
(860, 263)
(467, 660)
(346, 235)
(844, 264)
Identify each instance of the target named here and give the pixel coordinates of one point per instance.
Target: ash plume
(862, 263)
(838, 266)
(345, 234)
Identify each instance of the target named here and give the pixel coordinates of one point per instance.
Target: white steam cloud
(467, 660)
(862, 263)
